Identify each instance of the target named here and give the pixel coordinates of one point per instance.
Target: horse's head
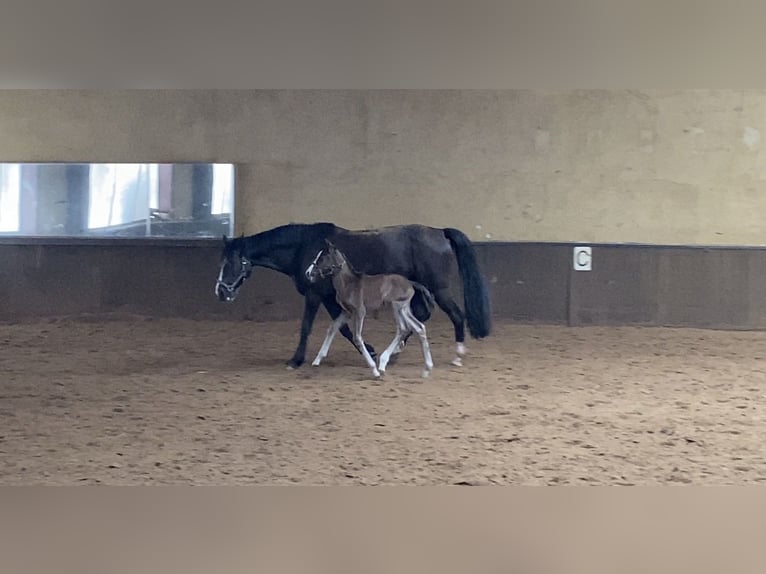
(326, 263)
(235, 268)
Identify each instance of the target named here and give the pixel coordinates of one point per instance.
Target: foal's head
(327, 263)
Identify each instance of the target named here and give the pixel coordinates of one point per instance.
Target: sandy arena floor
(131, 400)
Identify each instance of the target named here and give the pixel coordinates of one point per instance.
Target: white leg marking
(420, 329)
(358, 325)
(397, 340)
(460, 350)
(331, 332)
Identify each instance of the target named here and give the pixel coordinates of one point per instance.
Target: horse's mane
(285, 235)
(354, 272)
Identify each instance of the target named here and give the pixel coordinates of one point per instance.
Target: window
(116, 199)
(10, 192)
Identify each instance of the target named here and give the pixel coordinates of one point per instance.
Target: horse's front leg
(310, 308)
(334, 310)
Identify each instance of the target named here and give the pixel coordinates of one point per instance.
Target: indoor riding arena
(619, 234)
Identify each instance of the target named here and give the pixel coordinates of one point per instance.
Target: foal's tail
(475, 292)
(428, 298)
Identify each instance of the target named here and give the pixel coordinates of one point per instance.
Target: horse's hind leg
(421, 310)
(331, 332)
(358, 326)
(399, 347)
(420, 330)
(447, 303)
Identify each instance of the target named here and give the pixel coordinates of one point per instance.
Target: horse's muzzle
(315, 273)
(225, 293)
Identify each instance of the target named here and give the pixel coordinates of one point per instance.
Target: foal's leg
(334, 310)
(358, 325)
(422, 312)
(401, 331)
(444, 300)
(420, 329)
(332, 330)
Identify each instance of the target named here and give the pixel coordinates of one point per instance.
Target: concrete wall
(721, 288)
(602, 167)
(166, 278)
(529, 282)
(658, 167)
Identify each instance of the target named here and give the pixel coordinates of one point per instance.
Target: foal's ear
(225, 241)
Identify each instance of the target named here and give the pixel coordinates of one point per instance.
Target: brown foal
(357, 293)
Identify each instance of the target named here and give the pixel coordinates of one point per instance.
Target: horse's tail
(475, 292)
(428, 298)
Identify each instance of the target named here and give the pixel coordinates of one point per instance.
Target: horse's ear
(225, 241)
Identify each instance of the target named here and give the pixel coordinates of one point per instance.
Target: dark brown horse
(419, 253)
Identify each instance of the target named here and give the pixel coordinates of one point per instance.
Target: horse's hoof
(293, 364)
(376, 374)
(457, 361)
(426, 373)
